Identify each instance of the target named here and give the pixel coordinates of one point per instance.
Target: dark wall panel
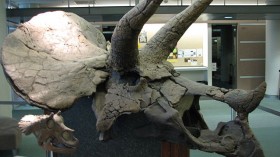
(251, 50)
(252, 68)
(250, 55)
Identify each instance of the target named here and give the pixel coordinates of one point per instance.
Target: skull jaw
(60, 147)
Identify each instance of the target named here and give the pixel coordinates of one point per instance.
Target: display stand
(125, 145)
(50, 154)
(124, 142)
(174, 150)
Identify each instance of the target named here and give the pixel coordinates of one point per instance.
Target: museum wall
(192, 39)
(250, 55)
(5, 110)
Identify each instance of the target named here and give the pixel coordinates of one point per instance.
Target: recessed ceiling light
(228, 17)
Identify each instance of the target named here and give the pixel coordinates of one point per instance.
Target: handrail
(13, 103)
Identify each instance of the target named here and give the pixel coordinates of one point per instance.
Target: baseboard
(271, 96)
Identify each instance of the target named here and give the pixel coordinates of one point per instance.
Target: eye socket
(50, 124)
(66, 135)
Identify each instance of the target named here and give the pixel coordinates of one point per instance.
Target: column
(3, 27)
(5, 90)
(272, 49)
(272, 57)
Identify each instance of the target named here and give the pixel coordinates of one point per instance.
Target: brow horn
(164, 41)
(124, 55)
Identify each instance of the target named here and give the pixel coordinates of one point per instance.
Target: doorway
(224, 55)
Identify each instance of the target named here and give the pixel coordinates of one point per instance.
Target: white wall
(5, 90)
(272, 67)
(208, 40)
(194, 37)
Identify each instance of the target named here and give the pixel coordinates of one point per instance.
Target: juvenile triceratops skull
(50, 132)
(51, 66)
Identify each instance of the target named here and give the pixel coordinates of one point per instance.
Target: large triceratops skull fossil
(51, 63)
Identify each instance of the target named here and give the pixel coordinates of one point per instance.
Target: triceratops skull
(50, 132)
(51, 63)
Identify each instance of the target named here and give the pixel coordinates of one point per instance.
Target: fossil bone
(51, 63)
(50, 131)
(51, 67)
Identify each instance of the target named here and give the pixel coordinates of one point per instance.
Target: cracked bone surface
(52, 63)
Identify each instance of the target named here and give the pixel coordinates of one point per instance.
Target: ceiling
(86, 3)
(106, 13)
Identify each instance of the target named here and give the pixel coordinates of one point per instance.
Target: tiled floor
(265, 125)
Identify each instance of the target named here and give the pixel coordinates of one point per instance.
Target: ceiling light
(228, 17)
